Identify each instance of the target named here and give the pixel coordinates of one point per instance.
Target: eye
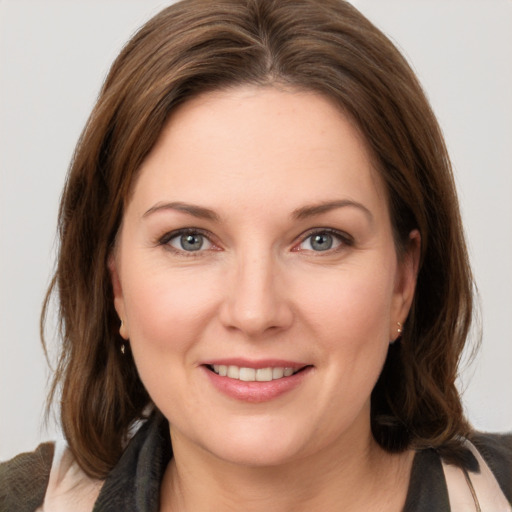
(323, 240)
(187, 241)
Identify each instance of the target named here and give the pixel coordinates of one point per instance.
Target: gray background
(53, 57)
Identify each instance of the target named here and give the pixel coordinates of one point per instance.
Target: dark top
(134, 483)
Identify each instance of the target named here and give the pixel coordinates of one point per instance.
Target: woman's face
(258, 243)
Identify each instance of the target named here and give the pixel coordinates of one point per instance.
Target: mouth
(246, 374)
(256, 381)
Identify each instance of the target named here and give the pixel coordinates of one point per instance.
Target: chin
(257, 454)
(259, 442)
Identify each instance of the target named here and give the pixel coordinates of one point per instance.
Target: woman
(263, 281)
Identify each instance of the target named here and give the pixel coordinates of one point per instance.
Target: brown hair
(325, 46)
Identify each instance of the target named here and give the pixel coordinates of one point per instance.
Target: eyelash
(344, 239)
(164, 240)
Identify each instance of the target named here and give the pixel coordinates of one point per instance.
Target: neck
(356, 476)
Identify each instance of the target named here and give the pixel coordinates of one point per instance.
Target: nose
(255, 301)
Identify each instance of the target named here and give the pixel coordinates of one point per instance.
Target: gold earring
(399, 330)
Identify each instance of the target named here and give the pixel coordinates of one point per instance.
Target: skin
(259, 288)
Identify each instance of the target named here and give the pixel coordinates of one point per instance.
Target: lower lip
(256, 392)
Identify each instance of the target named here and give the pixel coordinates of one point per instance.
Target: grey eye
(190, 242)
(321, 241)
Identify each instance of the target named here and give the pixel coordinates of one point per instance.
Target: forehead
(259, 143)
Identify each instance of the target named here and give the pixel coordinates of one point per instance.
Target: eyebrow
(196, 211)
(300, 213)
(318, 209)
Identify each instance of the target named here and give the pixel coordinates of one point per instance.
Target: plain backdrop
(53, 58)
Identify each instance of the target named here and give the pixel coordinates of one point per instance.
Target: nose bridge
(256, 302)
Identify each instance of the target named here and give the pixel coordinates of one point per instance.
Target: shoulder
(47, 479)
(69, 488)
(496, 450)
(24, 479)
(428, 486)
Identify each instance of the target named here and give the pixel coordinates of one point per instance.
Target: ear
(405, 285)
(113, 267)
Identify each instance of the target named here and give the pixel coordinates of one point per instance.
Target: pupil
(321, 242)
(191, 242)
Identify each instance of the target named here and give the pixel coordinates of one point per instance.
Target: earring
(399, 331)
(123, 344)
(122, 331)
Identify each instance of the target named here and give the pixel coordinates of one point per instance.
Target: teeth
(248, 374)
(264, 374)
(233, 372)
(277, 373)
(251, 374)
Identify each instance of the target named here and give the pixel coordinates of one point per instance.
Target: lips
(255, 381)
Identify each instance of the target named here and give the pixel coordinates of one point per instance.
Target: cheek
(349, 305)
(168, 312)
(349, 315)
(167, 309)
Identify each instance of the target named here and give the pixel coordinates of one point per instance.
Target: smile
(256, 381)
(252, 374)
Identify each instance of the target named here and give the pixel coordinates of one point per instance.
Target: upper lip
(256, 364)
